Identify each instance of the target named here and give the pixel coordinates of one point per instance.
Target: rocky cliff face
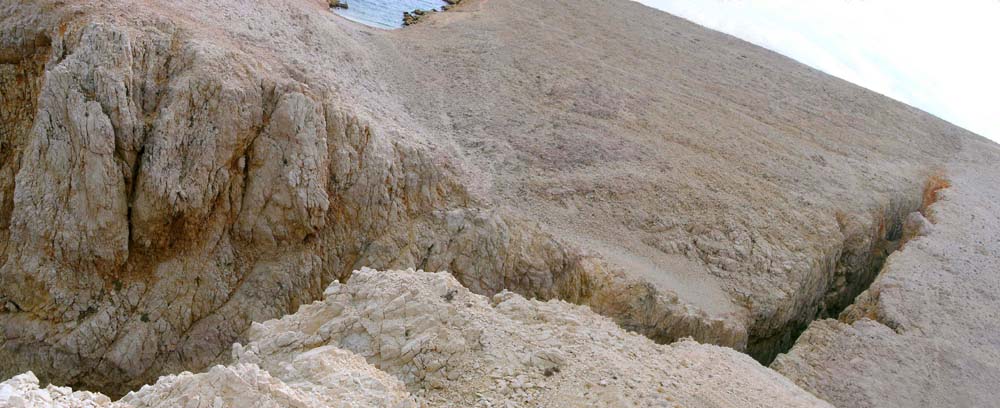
(172, 171)
(159, 206)
(923, 334)
(166, 190)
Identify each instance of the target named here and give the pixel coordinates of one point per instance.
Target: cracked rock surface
(172, 171)
(925, 333)
(436, 344)
(452, 347)
(163, 189)
(23, 391)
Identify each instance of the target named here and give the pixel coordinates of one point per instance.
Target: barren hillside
(172, 171)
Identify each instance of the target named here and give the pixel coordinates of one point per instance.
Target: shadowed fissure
(868, 241)
(856, 266)
(21, 70)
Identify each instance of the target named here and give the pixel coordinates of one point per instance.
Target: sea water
(384, 13)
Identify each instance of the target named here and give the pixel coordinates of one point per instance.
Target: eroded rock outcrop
(179, 204)
(172, 171)
(23, 391)
(434, 343)
(323, 377)
(450, 346)
(335, 378)
(713, 170)
(158, 204)
(924, 333)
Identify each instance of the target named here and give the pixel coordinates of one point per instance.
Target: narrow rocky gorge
(172, 172)
(928, 311)
(164, 244)
(867, 242)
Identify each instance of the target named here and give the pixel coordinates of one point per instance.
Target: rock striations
(171, 172)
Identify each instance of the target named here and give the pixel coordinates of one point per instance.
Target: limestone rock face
(322, 378)
(325, 377)
(163, 189)
(924, 334)
(428, 334)
(159, 206)
(172, 171)
(453, 347)
(22, 391)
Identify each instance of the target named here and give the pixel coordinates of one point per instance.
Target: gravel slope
(748, 185)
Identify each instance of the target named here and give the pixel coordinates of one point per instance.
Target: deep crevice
(858, 263)
(855, 269)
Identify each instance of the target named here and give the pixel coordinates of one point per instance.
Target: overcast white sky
(941, 56)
